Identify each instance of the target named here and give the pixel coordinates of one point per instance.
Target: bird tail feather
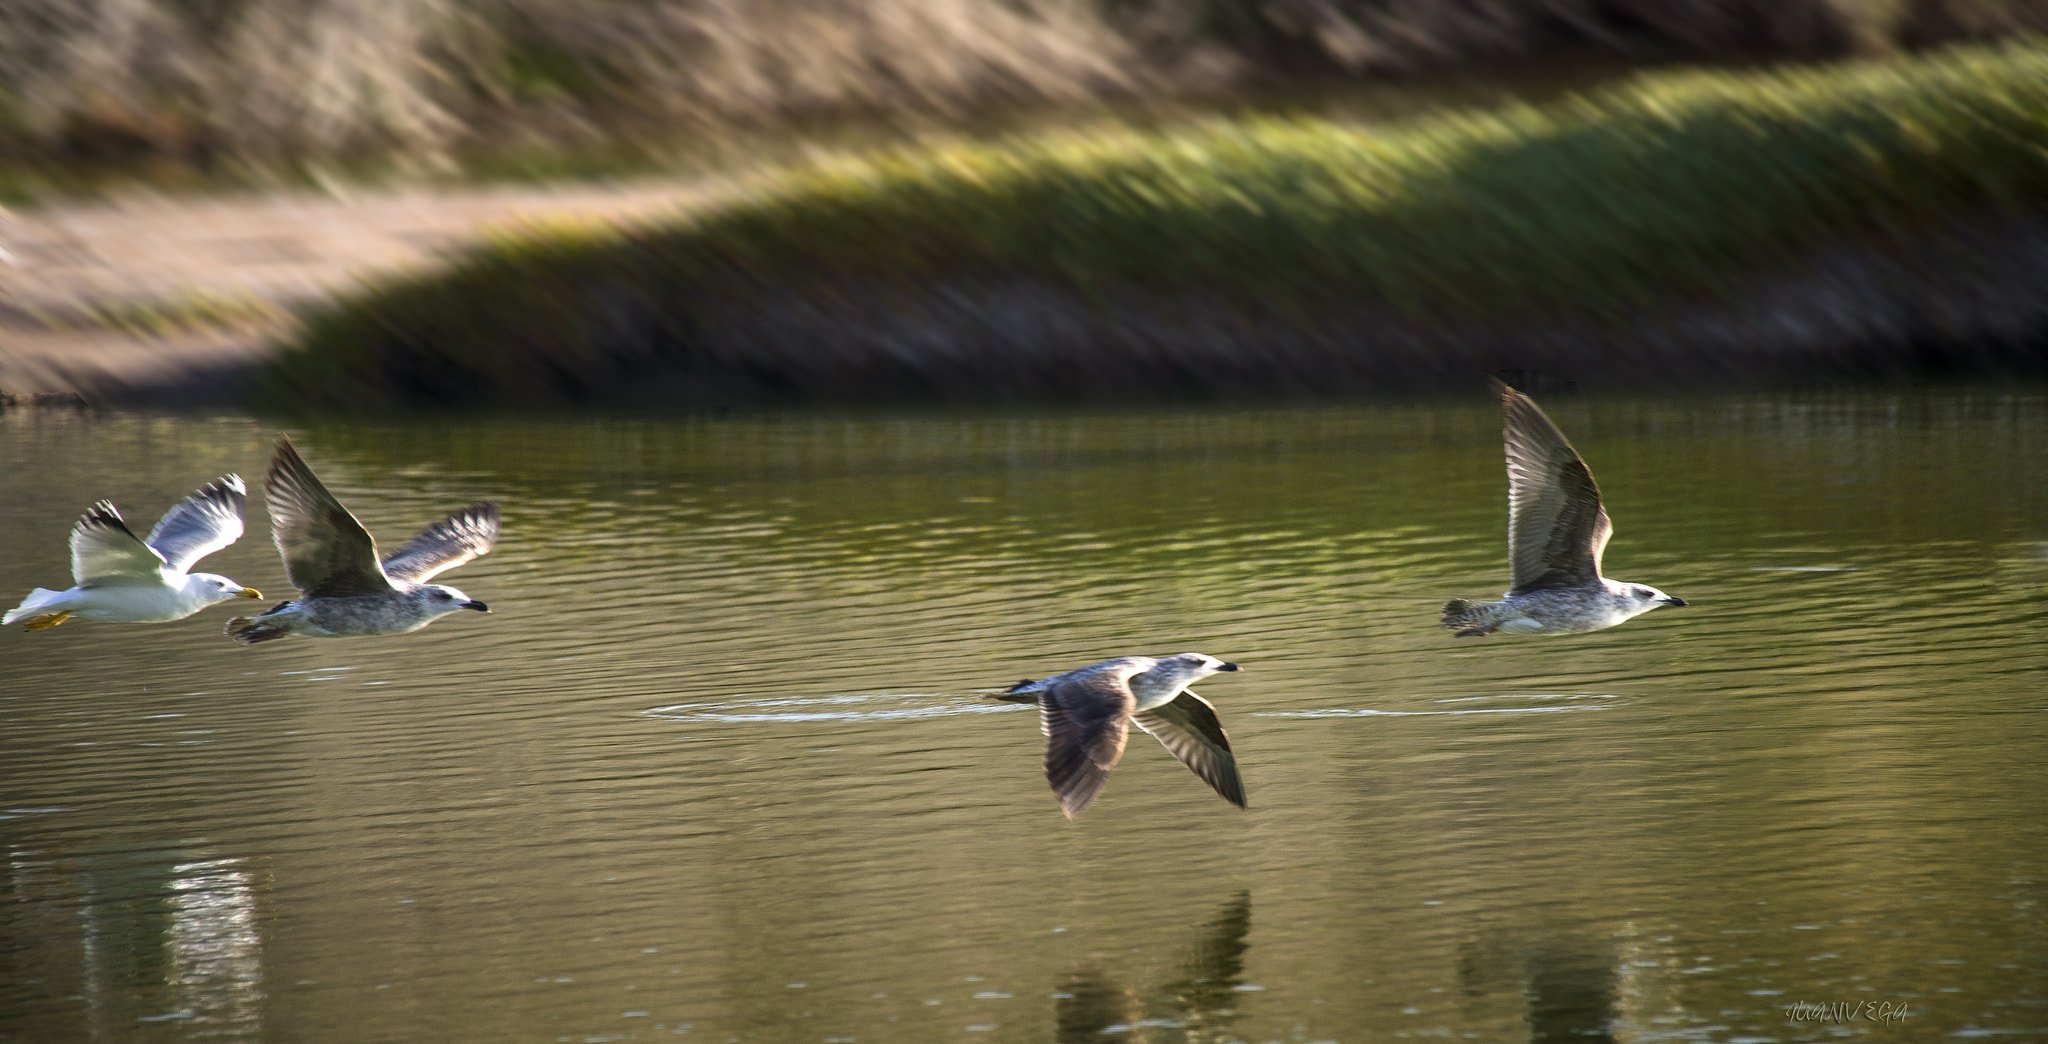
(1459, 611)
(1025, 691)
(37, 600)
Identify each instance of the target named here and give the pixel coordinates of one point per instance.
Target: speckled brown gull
(1087, 713)
(123, 578)
(344, 590)
(1556, 533)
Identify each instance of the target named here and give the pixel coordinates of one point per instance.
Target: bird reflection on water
(1197, 1007)
(1571, 983)
(154, 933)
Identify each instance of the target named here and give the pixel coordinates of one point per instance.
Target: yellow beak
(249, 592)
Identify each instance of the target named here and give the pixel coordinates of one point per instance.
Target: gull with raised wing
(1087, 715)
(1556, 533)
(344, 589)
(123, 578)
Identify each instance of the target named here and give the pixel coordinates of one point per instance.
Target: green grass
(1673, 188)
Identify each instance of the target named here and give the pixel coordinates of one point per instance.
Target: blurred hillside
(1853, 220)
(213, 83)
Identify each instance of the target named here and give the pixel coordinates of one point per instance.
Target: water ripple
(830, 708)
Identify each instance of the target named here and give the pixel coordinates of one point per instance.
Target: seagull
(125, 579)
(344, 589)
(1556, 532)
(1087, 713)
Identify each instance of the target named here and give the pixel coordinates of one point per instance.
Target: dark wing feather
(1556, 526)
(106, 553)
(327, 553)
(1087, 718)
(1187, 726)
(202, 523)
(445, 544)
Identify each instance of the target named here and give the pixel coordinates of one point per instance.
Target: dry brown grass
(117, 80)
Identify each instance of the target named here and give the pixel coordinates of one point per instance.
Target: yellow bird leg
(46, 621)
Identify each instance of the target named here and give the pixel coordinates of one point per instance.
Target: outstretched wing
(1556, 526)
(106, 553)
(1087, 718)
(327, 553)
(445, 544)
(202, 523)
(1187, 726)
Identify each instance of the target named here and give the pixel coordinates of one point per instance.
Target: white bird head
(216, 588)
(1174, 673)
(442, 599)
(1642, 598)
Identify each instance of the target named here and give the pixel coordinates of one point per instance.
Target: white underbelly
(131, 604)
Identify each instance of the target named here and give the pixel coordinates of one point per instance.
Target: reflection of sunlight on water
(216, 951)
(1646, 1001)
(894, 706)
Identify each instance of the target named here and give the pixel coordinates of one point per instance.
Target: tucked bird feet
(46, 621)
(247, 631)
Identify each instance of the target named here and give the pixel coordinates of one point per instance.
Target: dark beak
(478, 606)
(1674, 600)
(1228, 667)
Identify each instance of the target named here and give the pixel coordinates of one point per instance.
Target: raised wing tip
(285, 455)
(482, 518)
(228, 489)
(103, 513)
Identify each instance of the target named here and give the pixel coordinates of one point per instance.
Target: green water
(720, 765)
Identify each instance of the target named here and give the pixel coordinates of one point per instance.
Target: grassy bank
(1595, 219)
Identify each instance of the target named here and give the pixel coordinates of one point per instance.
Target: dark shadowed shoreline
(1968, 303)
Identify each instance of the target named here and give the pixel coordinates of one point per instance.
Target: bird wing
(1556, 526)
(445, 544)
(202, 523)
(1187, 726)
(1087, 718)
(106, 553)
(327, 553)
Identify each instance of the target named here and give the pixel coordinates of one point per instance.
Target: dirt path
(64, 269)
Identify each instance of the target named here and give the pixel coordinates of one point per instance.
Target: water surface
(721, 765)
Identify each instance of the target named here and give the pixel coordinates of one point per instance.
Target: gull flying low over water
(344, 589)
(122, 578)
(1556, 532)
(1087, 714)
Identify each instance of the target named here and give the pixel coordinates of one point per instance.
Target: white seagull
(122, 578)
(1556, 532)
(1087, 714)
(344, 589)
